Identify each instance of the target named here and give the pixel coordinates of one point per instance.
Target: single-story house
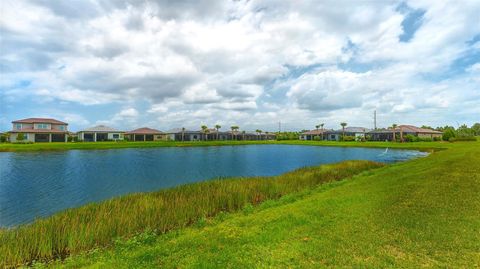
(180, 134)
(357, 132)
(310, 135)
(145, 134)
(401, 131)
(39, 130)
(100, 133)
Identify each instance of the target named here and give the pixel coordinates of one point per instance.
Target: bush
(447, 134)
(437, 139)
(462, 138)
(22, 142)
(3, 138)
(426, 139)
(347, 138)
(317, 138)
(20, 137)
(411, 138)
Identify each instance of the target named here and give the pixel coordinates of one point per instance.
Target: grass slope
(98, 224)
(421, 213)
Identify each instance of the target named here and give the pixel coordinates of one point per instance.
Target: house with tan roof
(145, 134)
(100, 133)
(39, 130)
(401, 131)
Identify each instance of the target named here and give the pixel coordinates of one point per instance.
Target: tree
(394, 127)
(259, 132)
(243, 135)
(343, 124)
(183, 134)
(321, 125)
(317, 127)
(217, 127)
(20, 137)
(204, 131)
(476, 128)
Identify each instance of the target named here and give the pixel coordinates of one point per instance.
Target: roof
(315, 132)
(351, 130)
(101, 128)
(414, 129)
(179, 130)
(40, 120)
(407, 129)
(144, 130)
(47, 131)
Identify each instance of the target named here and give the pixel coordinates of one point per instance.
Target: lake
(38, 184)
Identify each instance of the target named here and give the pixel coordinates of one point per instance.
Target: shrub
(317, 138)
(411, 138)
(426, 139)
(20, 137)
(462, 138)
(347, 138)
(3, 138)
(437, 139)
(447, 134)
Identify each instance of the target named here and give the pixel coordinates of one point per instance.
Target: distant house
(401, 131)
(180, 134)
(145, 134)
(357, 132)
(310, 135)
(100, 133)
(39, 130)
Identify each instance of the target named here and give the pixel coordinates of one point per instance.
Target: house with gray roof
(357, 132)
(100, 133)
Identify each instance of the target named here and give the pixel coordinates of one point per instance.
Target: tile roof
(407, 129)
(144, 130)
(102, 128)
(40, 120)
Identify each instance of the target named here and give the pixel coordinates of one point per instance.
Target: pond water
(34, 185)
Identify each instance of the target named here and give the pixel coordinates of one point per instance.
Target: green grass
(116, 145)
(420, 213)
(99, 224)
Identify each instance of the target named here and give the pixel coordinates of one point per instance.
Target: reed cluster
(99, 224)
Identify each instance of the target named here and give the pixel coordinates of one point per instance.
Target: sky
(168, 64)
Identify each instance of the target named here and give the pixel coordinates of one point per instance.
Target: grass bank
(420, 213)
(99, 224)
(8, 147)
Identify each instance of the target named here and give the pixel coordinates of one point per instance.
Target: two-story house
(39, 130)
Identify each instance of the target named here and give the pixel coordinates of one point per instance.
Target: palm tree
(343, 124)
(394, 126)
(204, 131)
(401, 133)
(243, 135)
(321, 125)
(217, 126)
(183, 134)
(234, 128)
(259, 132)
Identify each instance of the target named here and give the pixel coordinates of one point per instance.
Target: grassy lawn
(420, 213)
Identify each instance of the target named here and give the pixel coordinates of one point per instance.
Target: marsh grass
(100, 224)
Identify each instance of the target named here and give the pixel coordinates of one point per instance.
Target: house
(181, 134)
(311, 135)
(357, 132)
(401, 131)
(100, 133)
(145, 134)
(39, 130)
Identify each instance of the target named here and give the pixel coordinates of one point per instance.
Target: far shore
(10, 147)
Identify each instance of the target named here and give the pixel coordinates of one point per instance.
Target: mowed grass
(424, 213)
(99, 224)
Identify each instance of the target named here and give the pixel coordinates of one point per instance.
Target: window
(116, 136)
(18, 126)
(61, 128)
(42, 126)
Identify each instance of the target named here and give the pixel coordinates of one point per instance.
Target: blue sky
(164, 64)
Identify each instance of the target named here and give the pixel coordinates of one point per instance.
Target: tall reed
(98, 224)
